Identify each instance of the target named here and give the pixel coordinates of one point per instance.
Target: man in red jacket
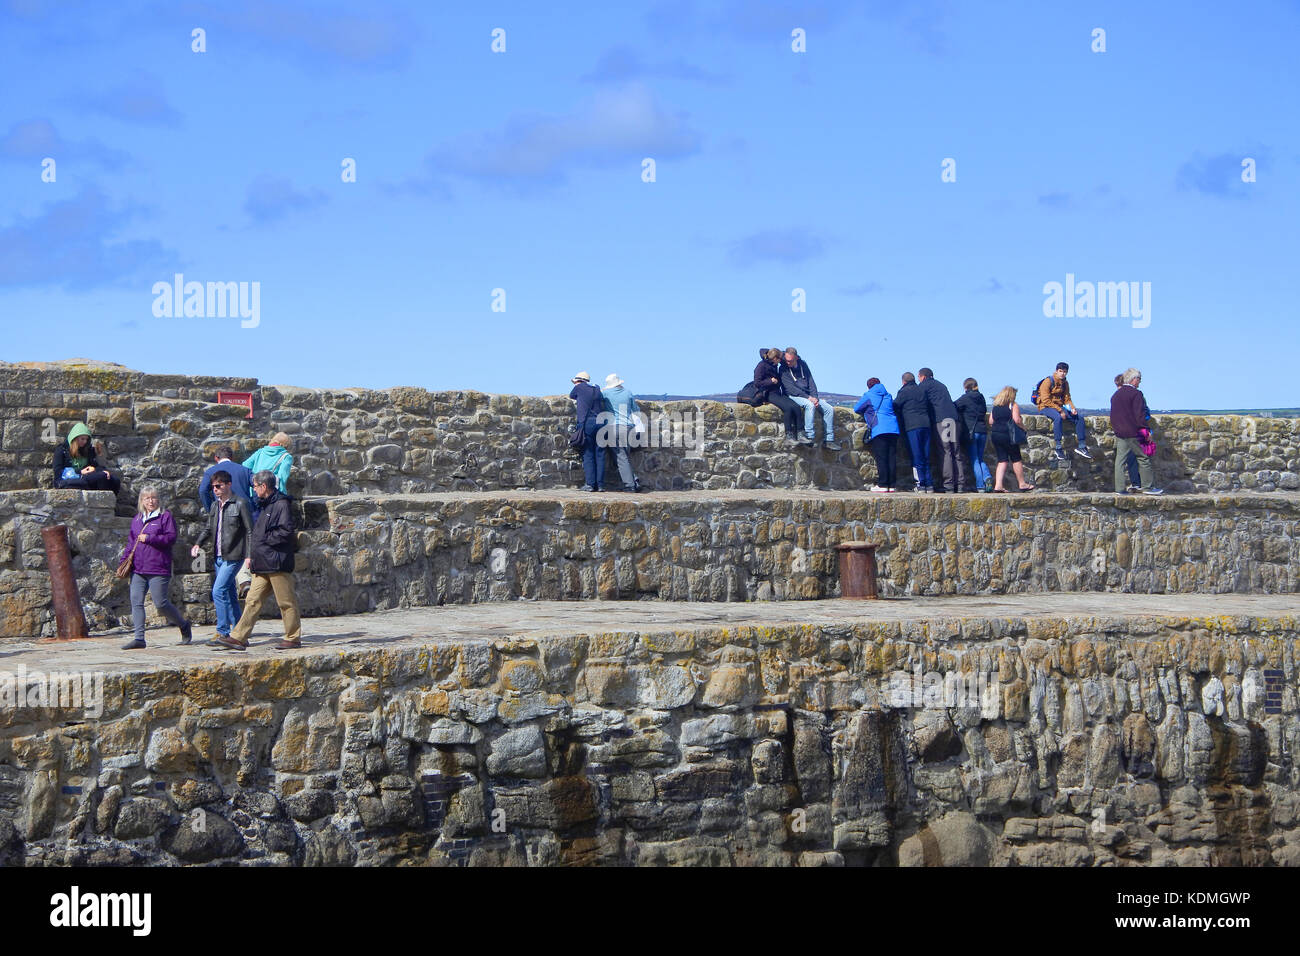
(1126, 418)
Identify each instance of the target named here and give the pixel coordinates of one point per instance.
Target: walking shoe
(134, 644)
(804, 440)
(288, 645)
(215, 641)
(231, 643)
(880, 488)
(1058, 455)
(587, 488)
(187, 632)
(1153, 491)
(1083, 453)
(1132, 489)
(833, 445)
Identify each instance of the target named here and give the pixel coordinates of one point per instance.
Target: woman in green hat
(75, 464)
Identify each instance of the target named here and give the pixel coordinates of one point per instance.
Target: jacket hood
(76, 432)
(878, 389)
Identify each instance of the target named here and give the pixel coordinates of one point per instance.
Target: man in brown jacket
(1054, 401)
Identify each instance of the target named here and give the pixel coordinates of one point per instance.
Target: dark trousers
(97, 480)
(793, 413)
(954, 456)
(884, 448)
(593, 456)
(918, 443)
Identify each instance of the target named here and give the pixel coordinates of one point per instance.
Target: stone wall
(360, 553)
(1096, 741)
(408, 440)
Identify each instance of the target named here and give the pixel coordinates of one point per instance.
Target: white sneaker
(1153, 491)
(880, 488)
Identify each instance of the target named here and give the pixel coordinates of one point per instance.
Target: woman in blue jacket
(884, 433)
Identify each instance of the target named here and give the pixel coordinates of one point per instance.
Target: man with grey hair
(271, 555)
(1126, 421)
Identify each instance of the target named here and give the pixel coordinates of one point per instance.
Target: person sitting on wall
(274, 458)
(767, 390)
(1053, 400)
(76, 464)
(798, 384)
(240, 478)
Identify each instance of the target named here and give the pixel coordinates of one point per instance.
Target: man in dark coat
(944, 415)
(272, 566)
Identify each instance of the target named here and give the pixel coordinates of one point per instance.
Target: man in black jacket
(944, 415)
(272, 567)
(230, 529)
(914, 419)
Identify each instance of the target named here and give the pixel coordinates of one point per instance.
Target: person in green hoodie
(76, 466)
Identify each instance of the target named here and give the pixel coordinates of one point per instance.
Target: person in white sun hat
(621, 404)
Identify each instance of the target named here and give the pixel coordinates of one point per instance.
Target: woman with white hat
(622, 403)
(590, 404)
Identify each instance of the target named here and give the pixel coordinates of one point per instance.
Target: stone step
(367, 552)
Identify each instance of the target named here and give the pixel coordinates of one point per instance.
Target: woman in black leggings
(1002, 419)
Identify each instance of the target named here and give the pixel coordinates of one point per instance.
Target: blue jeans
(593, 456)
(225, 595)
(977, 443)
(918, 443)
(810, 416)
(1057, 417)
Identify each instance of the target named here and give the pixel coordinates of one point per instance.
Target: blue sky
(775, 170)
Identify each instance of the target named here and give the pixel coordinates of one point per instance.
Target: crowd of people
(922, 413)
(249, 525)
(249, 531)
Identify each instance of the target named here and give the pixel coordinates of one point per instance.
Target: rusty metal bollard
(69, 616)
(857, 570)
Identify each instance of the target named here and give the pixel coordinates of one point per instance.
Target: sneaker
(1132, 489)
(588, 488)
(134, 644)
(187, 633)
(804, 440)
(216, 640)
(1083, 453)
(834, 445)
(1058, 455)
(881, 489)
(1153, 491)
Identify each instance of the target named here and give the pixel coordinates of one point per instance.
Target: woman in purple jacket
(153, 532)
